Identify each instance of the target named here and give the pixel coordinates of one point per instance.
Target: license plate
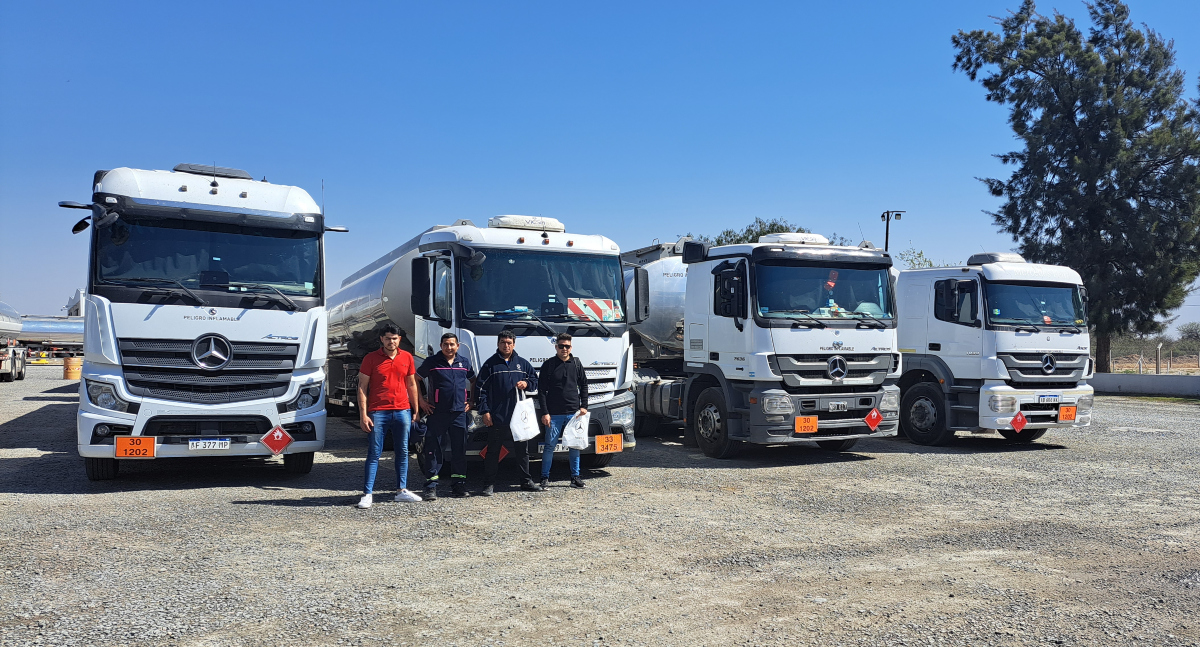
(135, 446)
(558, 449)
(837, 406)
(1049, 399)
(208, 443)
(609, 443)
(806, 424)
(1066, 414)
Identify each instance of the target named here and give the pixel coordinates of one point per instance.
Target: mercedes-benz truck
(1000, 345)
(205, 325)
(522, 273)
(787, 340)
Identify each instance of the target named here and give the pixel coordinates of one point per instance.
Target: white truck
(13, 356)
(788, 340)
(523, 273)
(999, 345)
(205, 325)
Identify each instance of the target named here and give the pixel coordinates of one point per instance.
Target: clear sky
(632, 119)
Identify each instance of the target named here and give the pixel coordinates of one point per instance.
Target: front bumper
(1039, 415)
(761, 428)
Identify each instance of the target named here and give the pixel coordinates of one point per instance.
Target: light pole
(886, 217)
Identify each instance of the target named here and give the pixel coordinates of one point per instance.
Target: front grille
(1027, 368)
(1037, 357)
(163, 368)
(809, 371)
(180, 426)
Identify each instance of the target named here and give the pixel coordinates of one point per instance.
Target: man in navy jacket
(450, 382)
(501, 376)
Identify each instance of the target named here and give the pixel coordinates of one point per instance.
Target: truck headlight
(1085, 402)
(623, 416)
(778, 405)
(890, 401)
(1002, 403)
(103, 395)
(310, 394)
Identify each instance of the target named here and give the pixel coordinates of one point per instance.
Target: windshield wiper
(283, 298)
(873, 318)
(1071, 329)
(607, 331)
(1032, 329)
(518, 313)
(812, 322)
(139, 280)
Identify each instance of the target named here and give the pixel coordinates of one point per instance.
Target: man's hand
(466, 406)
(487, 420)
(426, 406)
(581, 412)
(546, 420)
(522, 385)
(364, 421)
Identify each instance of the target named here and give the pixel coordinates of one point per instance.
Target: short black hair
(450, 335)
(506, 334)
(563, 336)
(389, 330)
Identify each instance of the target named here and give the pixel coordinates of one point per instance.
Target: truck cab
(999, 345)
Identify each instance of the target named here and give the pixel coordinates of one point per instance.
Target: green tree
(761, 227)
(1189, 331)
(915, 259)
(1107, 179)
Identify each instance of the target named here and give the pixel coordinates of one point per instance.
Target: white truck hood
(811, 341)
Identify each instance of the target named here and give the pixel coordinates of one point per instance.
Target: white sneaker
(365, 502)
(404, 496)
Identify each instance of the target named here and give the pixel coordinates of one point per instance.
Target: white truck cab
(999, 345)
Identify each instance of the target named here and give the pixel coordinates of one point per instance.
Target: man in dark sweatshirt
(500, 377)
(563, 394)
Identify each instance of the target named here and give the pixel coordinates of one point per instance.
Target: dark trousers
(499, 435)
(446, 428)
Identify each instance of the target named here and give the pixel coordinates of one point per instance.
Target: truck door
(727, 334)
(955, 333)
(430, 330)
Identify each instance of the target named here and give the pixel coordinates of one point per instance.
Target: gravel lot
(1083, 538)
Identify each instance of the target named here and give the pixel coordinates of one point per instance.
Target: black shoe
(487, 491)
(459, 490)
(576, 481)
(545, 483)
(430, 493)
(530, 486)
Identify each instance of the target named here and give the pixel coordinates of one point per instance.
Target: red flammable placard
(873, 419)
(276, 440)
(1019, 422)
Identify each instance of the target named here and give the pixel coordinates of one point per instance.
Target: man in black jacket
(501, 376)
(563, 394)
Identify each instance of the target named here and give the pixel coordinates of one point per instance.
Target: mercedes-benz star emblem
(837, 369)
(211, 352)
(1048, 364)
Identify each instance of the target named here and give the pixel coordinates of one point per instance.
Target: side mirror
(641, 289)
(694, 251)
(420, 287)
(81, 225)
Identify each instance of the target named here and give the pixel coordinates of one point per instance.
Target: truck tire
(101, 469)
(337, 410)
(711, 425)
(836, 445)
(21, 375)
(646, 425)
(1012, 436)
(923, 415)
(300, 463)
(8, 377)
(595, 461)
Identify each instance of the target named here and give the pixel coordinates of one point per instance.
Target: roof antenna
(860, 233)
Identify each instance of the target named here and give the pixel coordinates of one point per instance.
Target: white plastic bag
(524, 425)
(575, 435)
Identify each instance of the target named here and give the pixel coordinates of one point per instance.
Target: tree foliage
(759, 228)
(1106, 180)
(915, 259)
(1189, 331)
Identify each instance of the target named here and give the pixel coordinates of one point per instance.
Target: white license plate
(208, 443)
(1049, 399)
(558, 449)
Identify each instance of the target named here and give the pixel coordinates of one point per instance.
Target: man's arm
(481, 401)
(414, 394)
(542, 381)
(583, 388)
(470, 388)
(364, 418)
(531, 378)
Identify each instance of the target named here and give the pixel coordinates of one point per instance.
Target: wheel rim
(922, 416)
(708, 422)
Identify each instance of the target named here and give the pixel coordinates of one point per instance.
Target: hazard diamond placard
(276, 440)
(1019, 422)
(873, 419)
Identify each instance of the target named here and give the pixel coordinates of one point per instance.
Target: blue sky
(634, 120)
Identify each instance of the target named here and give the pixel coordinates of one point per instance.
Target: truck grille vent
(163, 368)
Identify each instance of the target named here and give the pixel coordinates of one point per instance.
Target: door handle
(933, 346)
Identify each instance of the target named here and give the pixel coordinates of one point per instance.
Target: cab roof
(218, 187)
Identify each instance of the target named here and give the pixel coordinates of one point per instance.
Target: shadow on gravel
(666, 449)
(72, 387)
(961, 445)
(51, 398)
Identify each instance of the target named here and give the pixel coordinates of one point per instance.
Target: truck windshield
(806, 291)
(1044, 304)
(208, 256)
(517, 284)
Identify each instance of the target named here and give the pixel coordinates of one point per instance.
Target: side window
(956, 301)
(729, 293)
(967, 303)
(442, 297)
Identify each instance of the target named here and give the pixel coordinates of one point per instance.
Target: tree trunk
(1102, 343)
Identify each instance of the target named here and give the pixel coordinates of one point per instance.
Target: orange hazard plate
(135, 446)
(806, 424)
(609, 444)
(1066, 414)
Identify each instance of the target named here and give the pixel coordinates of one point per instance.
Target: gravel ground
(1083, 538)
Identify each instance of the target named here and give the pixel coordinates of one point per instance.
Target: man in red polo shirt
(387, 384)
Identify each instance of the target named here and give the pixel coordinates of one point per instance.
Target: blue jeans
(552, 435)
(398, 421)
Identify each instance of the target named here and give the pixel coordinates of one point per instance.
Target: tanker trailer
(522, 273)
(788, 340)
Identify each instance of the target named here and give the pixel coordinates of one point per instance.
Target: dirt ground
(1083, 538)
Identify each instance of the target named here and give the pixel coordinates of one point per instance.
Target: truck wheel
(300, 463)
(646, 425)
(923, 415)
(595, 461)
(836, 445)
(1026, 437)
(337, 410)
(8, 377)
(21, 375)
(101, 469)
(711, 425)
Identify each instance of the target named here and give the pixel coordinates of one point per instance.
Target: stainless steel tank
(662, 331)
(374, 296)
(55, 331)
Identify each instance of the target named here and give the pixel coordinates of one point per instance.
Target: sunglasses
(564, 345)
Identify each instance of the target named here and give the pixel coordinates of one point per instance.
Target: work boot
(576, 481)
(459, 489)
(430, 493)
(530, 486)
(545, 482)
(487, 490)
